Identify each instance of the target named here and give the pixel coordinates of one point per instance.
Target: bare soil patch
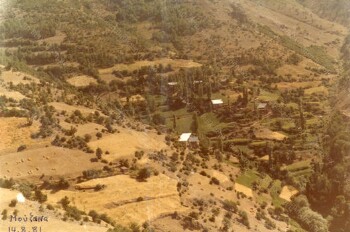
(287, 192)
(243, 189)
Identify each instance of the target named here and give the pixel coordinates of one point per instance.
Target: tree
(299, 209)
(221, 144)
(40, 196)
(174, 122)
(62, 184)
(209, 92)
(87, 138)
(301, 116)
(195, 124)
(99, 153)
(158, 119)
(143, 174)
(65, 202)
(13, 203)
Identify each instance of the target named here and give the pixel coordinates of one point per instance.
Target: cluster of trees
(299, 209)
(173, 18)
(48, 123)
(15, 28)
(55, 185)
(328, 189)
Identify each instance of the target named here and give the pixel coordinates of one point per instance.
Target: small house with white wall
(217, 103)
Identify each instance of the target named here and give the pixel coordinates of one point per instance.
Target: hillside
(95, 97)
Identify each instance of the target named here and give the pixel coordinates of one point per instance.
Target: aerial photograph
(175, 115)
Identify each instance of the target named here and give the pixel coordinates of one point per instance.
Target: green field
(248, 178)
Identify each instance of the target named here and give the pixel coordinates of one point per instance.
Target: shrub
(94, 215)
(99, 187)
(99, 135)
(21, 148)
(87, 138)
(230, 206)
(62, 184)
(244, 218)
(4, 183)
(194, 215)
(13, 203)
(214, 181)
(143, 174)
(73, 212)
(40, 196)
(4, 214)
(99, 153)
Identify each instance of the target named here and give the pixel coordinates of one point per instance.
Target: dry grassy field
(50, 161)
(14, 133)
(125, 199)
(128, 141)
(265, 133)
(81, 81)
(11, 94)
(243, 189)
(17, 78)
(55, 223)
(60, 106)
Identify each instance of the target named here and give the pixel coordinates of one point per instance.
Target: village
(169, 116)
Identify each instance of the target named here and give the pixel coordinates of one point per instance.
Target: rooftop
(193, 139)
(184, 137)
(172, 83)
(262, 106)
(217, 101)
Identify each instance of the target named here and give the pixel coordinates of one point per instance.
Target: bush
(244, 218)
(40, 196)
(214, 181)
(62, 184)
(64, 202)
(143, 174)
(99, 135)
(4, 214)
(99, 153)
(73, 212)
(94, 215)
(21, 148)
(4, 183)
(194, 215)
(158, 119)
(203, 173)
(230, 206)
(99, 187)
(87, 138)
(13, 203)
